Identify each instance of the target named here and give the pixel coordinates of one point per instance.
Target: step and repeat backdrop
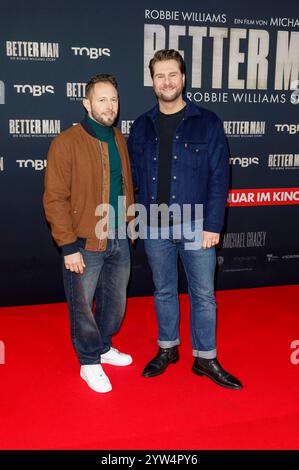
(242, 62)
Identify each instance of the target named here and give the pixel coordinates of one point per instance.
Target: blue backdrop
(242, 63)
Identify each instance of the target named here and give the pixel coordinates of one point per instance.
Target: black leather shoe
(212, 369)
(158, 365)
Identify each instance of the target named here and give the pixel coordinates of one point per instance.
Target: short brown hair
(102, 77)
(167, 54)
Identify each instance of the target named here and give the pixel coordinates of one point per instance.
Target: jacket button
(154, 179)
(173, 197)
(155, 158)
(177, 136)
(175, 157)
(174, 177)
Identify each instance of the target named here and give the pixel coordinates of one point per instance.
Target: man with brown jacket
(88, 189)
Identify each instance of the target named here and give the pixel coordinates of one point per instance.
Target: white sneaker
(116, 358)
(96, 378)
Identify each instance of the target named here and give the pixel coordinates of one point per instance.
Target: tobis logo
(244, 162)
(91, 52)
(35, 90)
(289, 128)
(37, 165)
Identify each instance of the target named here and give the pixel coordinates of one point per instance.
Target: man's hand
(210, 239)
(75, 263)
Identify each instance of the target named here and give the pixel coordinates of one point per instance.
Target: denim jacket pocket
(195, 153)
(144, 152)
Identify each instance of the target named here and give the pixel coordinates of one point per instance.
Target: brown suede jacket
(77, 181)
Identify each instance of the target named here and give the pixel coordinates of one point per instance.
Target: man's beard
(169, 98)
(104, 120)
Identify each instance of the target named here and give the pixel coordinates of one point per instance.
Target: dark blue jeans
(106, 273)
(199, 265)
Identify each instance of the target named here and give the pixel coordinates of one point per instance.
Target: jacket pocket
(195, 153)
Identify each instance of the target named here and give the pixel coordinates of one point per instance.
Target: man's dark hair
(167, 54)
(100, 78)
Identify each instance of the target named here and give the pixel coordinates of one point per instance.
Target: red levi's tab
(262, 197)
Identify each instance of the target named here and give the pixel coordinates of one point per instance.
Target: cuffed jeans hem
(205, 354)
(105, 350)
(89, 362)
(168, 344)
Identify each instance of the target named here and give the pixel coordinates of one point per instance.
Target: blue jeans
(199, 265)
(107, 274)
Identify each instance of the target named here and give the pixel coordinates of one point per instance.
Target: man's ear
(86, 104)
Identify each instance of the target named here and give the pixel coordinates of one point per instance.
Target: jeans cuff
(105, 350)
(90, 362)
(205, 354)
(168, 344)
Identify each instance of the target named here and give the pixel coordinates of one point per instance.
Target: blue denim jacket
(200, 166)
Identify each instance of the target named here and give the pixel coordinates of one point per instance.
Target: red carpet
(45, 405)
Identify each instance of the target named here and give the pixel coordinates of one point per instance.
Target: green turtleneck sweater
(106, 134)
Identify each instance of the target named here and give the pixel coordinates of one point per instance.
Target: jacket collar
(88, 127)
(191, 110)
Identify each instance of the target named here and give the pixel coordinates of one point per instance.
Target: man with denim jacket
(179, 157)
(88, 172)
